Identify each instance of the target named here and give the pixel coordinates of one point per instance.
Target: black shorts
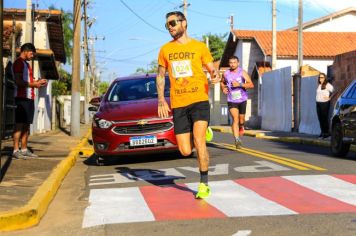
(184, 117)
(239, 106)
(25, 110)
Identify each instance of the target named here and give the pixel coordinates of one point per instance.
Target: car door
(348, 111)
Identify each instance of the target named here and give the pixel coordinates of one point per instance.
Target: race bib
(236, 94)
(182, 69)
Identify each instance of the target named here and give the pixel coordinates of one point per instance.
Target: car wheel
(338, 147)
(100, 161)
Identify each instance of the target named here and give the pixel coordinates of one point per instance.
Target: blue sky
(134, 29)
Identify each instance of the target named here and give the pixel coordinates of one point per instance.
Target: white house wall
(43, 100)
(320, 65)
(277, 100)
(345, 23)
(248, 52)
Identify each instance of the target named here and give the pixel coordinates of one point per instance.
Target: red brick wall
(344, 71)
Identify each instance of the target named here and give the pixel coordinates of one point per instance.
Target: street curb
(298, 140)
(31, 214)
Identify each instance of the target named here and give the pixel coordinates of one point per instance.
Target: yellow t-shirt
(185, 62)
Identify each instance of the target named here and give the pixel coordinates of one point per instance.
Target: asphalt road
(266, 188)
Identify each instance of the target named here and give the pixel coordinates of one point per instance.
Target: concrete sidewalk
(28, 186)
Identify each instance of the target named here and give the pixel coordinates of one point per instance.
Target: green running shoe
(209, 134)
(203, 191)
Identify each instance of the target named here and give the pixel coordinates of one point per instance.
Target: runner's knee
(185, 151)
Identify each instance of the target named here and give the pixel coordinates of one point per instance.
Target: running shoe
(209, 134)
(203, 191)
(238, 143)
(241, 131)
(28, 153)
(18, 155)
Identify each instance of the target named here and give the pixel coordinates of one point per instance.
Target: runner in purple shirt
(234, 84)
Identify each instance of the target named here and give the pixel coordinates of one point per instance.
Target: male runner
(183, 58)
(234, 84)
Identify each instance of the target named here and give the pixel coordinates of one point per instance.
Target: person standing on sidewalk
(234, 83)
(184, 57)
(24, 99)
(323, 96)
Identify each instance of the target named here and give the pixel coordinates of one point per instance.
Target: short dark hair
(234, 57)
(179, 14)
(28, 47)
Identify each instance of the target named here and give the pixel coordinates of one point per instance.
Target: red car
(127, 121)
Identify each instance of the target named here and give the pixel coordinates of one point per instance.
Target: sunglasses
(172, 23)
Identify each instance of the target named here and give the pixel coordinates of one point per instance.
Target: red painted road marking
(177, 202)
(294, 196)
(347, 178)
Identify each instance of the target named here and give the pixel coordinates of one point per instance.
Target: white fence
(309, 123)
(277, 100)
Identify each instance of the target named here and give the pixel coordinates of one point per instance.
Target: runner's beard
(178, 34)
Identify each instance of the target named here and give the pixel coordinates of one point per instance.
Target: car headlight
(103, 124)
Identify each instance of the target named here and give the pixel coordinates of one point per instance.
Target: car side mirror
(95, 101)
(95, 108)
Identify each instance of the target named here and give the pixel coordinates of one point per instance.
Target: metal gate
(9, 102)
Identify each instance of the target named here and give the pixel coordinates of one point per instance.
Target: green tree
(62, 86)
(103, 87)
(67, 24)
(151, 68)
(216, 44)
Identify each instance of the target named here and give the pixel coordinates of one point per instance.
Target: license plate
(143, 140)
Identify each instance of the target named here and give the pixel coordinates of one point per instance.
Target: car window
(136, 89)
(352, 92)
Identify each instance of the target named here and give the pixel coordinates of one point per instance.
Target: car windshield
(136, 89)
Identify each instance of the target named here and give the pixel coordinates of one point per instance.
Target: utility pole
(232, 27)
(13, 40)
(94, 80)
(300, 34)
(75, 99)
(185, 6)
(297, 78)
(28, 32)
(274, 35)
(93, 71)
(86, 64)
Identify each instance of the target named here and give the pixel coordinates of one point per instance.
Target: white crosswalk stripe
(235, 200)
(328, 185)
(115, 205)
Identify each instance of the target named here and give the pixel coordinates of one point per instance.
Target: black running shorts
(25, 110)
(239, 106)
(184, 117)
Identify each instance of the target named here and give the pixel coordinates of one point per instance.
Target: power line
(152, 26)
(129, 58)
(204, 14)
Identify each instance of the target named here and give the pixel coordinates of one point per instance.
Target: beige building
(49, 43)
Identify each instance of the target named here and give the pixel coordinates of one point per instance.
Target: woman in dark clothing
(323, 94)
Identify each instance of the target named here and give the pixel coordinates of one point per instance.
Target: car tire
(100, 161)
(338, 147)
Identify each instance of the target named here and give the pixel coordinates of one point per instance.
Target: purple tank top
(237, 94)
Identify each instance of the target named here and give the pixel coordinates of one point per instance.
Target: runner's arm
(223, 85)
(163, 108)
(215, 77)
(21, 83)
(248, 82)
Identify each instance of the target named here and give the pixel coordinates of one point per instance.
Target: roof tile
(315, 44)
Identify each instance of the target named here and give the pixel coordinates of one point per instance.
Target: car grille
(143, 129)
